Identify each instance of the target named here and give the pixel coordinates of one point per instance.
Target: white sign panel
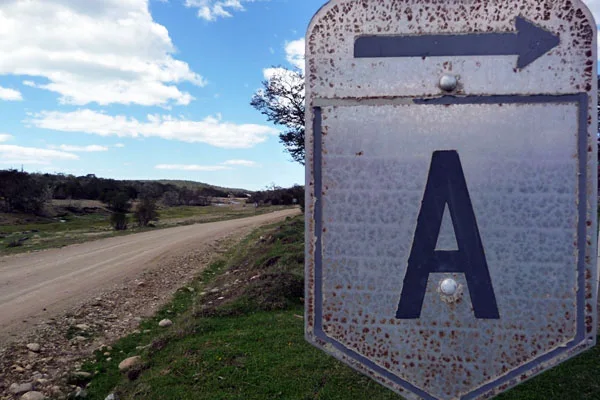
(451, 190)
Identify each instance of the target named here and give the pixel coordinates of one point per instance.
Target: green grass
(258, 356)
(250, 343)
(51, 233)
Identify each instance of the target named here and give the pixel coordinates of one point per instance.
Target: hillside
(237, 192)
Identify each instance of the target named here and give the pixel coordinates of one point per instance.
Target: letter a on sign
(446, 184)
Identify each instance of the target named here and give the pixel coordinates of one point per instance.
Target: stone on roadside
(82, 375)
(17, 388)
(165, 322)
(33, 396)
(35, 347)
(80, 338)
(82, 327)
(129, 363)
(56, 389)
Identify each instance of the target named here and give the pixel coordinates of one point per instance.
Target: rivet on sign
(448, 286)
(448, 83)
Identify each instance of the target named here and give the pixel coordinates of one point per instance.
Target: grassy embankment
(239, 335)
(22, 233)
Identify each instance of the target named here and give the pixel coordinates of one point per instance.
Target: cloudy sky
(144, 89)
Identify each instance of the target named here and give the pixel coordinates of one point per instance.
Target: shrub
(146, 212)
(118, 220)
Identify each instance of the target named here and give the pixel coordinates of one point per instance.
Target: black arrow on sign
(529, 42)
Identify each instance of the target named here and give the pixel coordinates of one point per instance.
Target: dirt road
(39, 285)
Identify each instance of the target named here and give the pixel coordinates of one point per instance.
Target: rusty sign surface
(451, 190)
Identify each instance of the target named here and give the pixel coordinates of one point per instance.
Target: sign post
(451, 190)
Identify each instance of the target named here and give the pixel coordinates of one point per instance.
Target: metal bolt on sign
(448, 82)
(451, 175)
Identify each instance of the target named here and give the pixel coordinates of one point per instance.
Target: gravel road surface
(39, 285)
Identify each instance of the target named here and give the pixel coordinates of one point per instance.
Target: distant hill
(28, 193)
(199, 185)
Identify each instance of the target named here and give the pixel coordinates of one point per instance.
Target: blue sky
(148, 89)
(138, 89)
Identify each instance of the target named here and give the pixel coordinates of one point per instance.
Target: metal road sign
(451, 190)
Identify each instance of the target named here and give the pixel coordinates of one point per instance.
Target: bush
(146, 212)
(118, 203)
(118, 220)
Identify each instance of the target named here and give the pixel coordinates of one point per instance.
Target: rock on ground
(82, 374)
(129, 363)
(165, 322)
(33, 347)
(16, 388)
(33, 396)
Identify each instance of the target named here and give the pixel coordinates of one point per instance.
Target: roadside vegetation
(237, 333)
(82, 221)
(40, 211)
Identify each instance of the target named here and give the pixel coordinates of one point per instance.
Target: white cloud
(84, 149)
(182, 167)
(6, 93)
(244, 163)
(29, 155)
(211, 130)
(285, 74)
(5, 137)
(294, 53)
(211, 10)
(227, 165)
(109, 51)
(119, 145)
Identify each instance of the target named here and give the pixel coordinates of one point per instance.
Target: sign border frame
(515, 376)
